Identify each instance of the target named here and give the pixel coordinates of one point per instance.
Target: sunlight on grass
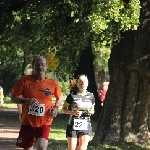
(57, 136)
(9, 105)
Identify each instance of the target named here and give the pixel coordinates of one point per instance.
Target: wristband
(56, 106)
(23, 101)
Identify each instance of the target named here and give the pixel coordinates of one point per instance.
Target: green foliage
(7, 100)
(107, 20)
(41, 27)
(65, 87)
(10, 72)
(64, 28)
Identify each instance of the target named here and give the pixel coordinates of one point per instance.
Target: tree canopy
(63, 28)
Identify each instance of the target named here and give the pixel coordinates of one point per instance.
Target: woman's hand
(77, 112)
(91, 111)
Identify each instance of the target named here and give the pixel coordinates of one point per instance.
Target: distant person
(38, 111)
(102, 93)
(79, 104)
(28, 71)
(1, 96)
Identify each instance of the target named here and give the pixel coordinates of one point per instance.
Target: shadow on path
(9, 128)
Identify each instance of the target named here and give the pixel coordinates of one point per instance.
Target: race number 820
(37, 110)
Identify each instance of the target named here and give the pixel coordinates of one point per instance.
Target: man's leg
(31, 148)
(41, 144)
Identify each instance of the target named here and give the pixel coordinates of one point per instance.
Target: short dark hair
(34, 59)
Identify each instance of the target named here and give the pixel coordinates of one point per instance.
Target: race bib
(80, 124)
(37, 110)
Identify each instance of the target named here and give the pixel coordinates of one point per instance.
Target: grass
(58, 133)
(8, 104)
(58, 140)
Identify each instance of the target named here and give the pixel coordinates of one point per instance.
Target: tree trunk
(126, 114)
(86, 67)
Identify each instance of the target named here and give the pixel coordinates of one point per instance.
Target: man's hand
(53, 112)
(31, 101)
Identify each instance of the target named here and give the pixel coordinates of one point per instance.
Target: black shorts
(70, 132)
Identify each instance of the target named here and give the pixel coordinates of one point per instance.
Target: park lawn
(57, 139)
(9, 105)
(58, 132)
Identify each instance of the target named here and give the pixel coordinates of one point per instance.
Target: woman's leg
(83, 141)
(72, 142)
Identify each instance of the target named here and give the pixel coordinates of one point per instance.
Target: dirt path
(9, 128)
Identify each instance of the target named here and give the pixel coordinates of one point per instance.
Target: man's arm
(53, 110)
(16, 99)
(20, 100)
(20, 111)
(59, 101)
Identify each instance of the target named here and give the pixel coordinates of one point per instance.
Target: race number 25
(80, 124)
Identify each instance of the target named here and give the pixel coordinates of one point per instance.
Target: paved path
(9, 128)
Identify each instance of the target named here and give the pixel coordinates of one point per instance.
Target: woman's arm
(91, 110)
(65, 109)
(70, 112)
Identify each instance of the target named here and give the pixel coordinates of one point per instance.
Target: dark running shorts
(76, 133)
(28, 134)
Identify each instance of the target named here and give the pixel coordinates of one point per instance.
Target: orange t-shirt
(43, 91)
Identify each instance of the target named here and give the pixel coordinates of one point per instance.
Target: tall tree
(86, 67)
(64, 27)
(127, 115)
